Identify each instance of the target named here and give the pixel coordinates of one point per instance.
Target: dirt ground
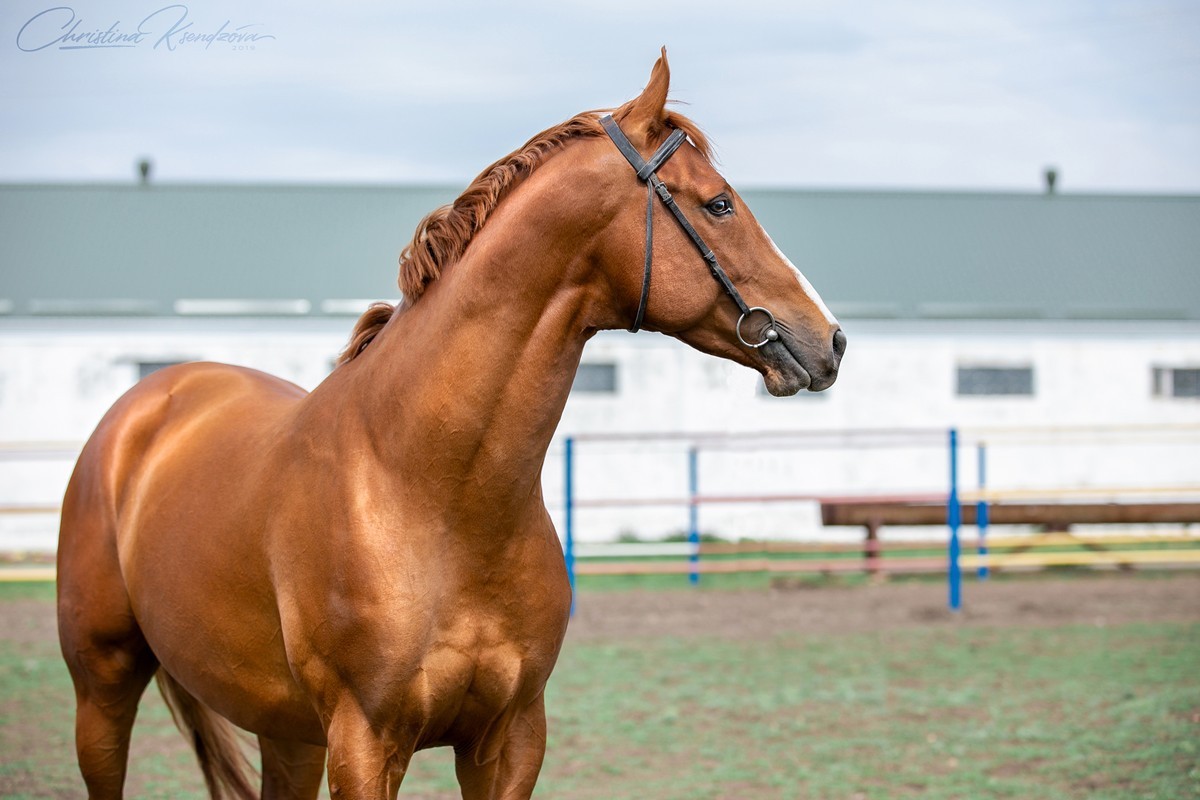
(757, 614)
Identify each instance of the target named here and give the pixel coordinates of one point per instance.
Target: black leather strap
(646, 170)
(645, 298)
(664, 151)
(710, 258)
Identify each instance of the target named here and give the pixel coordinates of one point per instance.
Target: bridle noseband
(646, 172)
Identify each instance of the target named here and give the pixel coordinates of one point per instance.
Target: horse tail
(226, 768)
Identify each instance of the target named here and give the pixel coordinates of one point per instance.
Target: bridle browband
(646, 170)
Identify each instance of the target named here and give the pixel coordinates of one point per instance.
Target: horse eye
(720, 206)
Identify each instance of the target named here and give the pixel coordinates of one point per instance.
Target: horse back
(166, 416)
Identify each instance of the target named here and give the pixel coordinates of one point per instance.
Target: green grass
(763, 580)
(988, 712)
(621, 583)
(946, 712)
(26, 590)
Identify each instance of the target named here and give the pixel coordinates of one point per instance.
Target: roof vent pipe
(143, 166)
(1051, 179)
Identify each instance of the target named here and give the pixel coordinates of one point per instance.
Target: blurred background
(1000, 201)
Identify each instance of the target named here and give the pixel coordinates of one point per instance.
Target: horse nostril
(839, 343)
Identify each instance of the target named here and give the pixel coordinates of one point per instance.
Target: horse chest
(461, 690)
(450, 663)
(425, 632)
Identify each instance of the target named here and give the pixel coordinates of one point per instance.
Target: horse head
(781, 328)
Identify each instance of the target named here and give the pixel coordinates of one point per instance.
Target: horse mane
(443, 235)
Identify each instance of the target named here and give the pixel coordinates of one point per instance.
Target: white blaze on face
(804, 284)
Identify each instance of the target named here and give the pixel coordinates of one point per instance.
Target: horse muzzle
(794, 363)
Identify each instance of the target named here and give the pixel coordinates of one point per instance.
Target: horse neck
(460, 394)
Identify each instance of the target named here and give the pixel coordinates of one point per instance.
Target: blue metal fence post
(981, 514)
(693, 516)
(569, 511)
(954, 519)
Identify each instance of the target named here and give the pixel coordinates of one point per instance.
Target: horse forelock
(443, 235)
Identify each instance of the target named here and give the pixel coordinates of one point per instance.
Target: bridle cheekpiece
(646, 171)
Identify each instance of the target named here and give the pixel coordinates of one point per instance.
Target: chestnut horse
(369, 569)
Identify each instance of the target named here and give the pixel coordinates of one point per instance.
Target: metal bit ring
(770, 336)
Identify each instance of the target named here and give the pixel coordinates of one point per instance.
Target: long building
(970, 309)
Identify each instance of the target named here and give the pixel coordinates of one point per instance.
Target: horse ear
(648, 111)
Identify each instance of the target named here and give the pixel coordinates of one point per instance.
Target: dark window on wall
(995, 381)
(596, 379)
(1176, 382)
(1185, 383)
(147, 367)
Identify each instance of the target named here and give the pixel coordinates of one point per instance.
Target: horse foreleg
(512, 775)
(366, 762)
(291, 770)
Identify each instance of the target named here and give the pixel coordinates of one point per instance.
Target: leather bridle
(646, 170)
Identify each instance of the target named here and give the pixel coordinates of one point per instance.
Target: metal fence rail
(953, 505)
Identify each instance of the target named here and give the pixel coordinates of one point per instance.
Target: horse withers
(367, 570)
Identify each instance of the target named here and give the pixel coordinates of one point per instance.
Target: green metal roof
(166, 249)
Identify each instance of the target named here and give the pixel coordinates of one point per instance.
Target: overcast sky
(941, 94)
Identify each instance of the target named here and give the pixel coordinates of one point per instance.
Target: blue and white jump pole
(569, 513)
(954, 520)
(981, 513)
(693, 515)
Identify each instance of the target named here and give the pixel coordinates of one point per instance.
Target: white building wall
(58, 377)
(896, 374)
